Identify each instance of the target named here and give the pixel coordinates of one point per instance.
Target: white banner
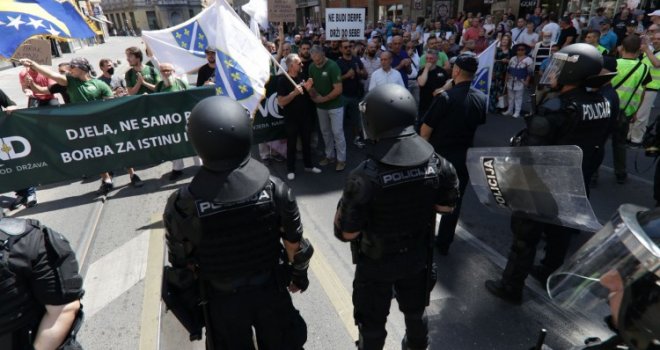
(344, 23)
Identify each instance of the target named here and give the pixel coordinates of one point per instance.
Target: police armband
(65, 263)
(300, 264)
(287, 207)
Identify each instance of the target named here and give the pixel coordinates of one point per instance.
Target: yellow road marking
(151, 304)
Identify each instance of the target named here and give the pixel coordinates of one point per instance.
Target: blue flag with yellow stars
(482, 79)
(23, 19)
(242, 62)
(191, 37)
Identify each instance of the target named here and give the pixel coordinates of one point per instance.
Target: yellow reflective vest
(655, 72)
(631, 90)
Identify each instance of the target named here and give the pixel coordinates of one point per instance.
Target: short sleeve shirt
(324, 79)
(437, 78)
(178, 85)
(90, 90)
(351, 87)
(150, 75)
(298, 106)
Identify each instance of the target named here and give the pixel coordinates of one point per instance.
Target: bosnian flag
(484, 76)
(183, 45)
(242, 62)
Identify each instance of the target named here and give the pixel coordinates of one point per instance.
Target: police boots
(404, 345)
(503, 291)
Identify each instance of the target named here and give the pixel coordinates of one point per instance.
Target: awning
(100, 20)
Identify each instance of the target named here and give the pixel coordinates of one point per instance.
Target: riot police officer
(387, 212)
(236, 231)
(574, 117)
(40, 287)
(616, 275)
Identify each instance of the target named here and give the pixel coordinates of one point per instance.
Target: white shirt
(553, 28)
(381, 77)
(516, 33)
(528, 39)
(370, 65)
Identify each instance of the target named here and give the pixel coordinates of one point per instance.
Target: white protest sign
(344, 23)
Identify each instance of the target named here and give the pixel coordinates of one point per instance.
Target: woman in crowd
(519, 74)
(498, 90)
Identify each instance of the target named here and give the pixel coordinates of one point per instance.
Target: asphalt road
(112, 240)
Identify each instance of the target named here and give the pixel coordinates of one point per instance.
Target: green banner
(50, 144)
(268, 122)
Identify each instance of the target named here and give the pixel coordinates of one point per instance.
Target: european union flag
(230, 78)
(192, 38)
(22, 19)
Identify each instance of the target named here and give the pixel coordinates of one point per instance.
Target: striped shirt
(541, 52)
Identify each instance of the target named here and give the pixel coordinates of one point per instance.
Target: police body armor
(231, 240)
(401, 208)
(577, 118)
(18, 310)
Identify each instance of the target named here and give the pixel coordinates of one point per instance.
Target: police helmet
(219, 130)
(388, 115)
(617, 273)
(573, 65)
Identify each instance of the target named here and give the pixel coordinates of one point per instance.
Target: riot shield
(543, 183)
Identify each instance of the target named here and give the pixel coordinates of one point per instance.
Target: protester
(326, 93)
(371, 62)
(552, 27)
(608, 39)
(140, 79)
(431, 78)
(498, 99)
(353, 73)
(568, 34)
(593, 38)
(528, 37)
(518, 77)
(385, 74)
(115, 82)
(297, 115)
(28, 77)
(206, 73)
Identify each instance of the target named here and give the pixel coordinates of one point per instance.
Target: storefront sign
(344, 23)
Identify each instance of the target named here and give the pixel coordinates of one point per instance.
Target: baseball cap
(632, 23)
(466, 62)
(209, 49)
(606, 21)
(80, 63)
(655, 13)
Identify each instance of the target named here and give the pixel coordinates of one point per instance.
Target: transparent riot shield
(543, 183)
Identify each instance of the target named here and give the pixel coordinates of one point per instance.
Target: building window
(191, 13)
(135, 27)
(152, 20)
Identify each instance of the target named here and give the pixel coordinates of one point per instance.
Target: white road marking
(115, 273)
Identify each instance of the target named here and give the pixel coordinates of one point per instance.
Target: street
(117, 241)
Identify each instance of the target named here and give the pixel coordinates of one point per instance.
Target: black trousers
(448, 223)
(526, 236)
(372, 295)
(278, 325)
(298, 126)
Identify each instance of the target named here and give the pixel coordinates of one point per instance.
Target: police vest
(238, 239)
(18, 309)
(655, 72)
(630, 92)
(602, 50)
(401, 211)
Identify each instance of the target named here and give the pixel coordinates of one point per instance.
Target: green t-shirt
(90, 90)
(324, 79)
(178, 85)
(150, 75)
(442, 59)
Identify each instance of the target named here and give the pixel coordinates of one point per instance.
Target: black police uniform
(389, 198)
(454, 117)
(228, 226)
(576, 117)
(37, 268)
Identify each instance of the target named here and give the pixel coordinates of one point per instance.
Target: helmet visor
(593, 281)
(557, 62)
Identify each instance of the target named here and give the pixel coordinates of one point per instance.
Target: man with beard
(140, 79)
(352, 73)
(305, 58)
(371, 61)
(206, 72)
(295, 47)
(431, 78)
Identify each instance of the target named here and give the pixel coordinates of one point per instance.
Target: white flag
(484, 76)
(183, 45)
(242, 62)
(258, 11)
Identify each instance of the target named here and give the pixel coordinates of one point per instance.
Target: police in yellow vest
(651, 60)
(629, 84)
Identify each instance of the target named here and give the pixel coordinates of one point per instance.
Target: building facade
(133, 16)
